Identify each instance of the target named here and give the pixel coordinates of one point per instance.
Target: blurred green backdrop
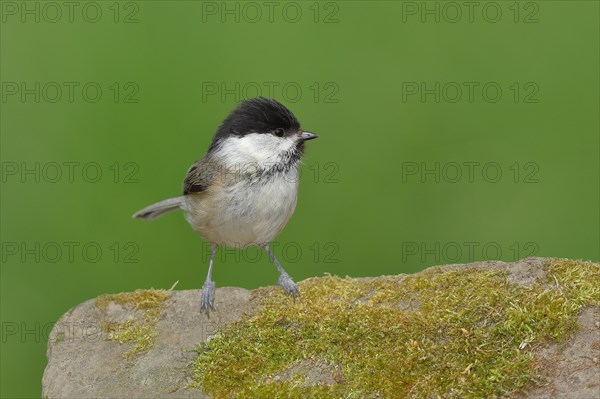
(448, 134)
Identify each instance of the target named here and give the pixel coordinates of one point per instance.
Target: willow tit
(244, 190)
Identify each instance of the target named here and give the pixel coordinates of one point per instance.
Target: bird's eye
(279, 132)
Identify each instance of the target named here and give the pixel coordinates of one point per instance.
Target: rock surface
(84, 363)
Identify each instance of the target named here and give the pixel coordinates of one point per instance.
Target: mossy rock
(487, 329)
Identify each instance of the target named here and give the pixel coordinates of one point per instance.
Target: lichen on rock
(140, 331)
(486, 329)
(473, 334)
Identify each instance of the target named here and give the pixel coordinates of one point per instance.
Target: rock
(572, 371)
(84, 363)
(134, 346)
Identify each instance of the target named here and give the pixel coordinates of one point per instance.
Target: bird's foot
(288, 285)
(208, 296)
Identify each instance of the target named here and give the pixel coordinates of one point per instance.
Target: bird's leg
(208, 288)
(284, 279)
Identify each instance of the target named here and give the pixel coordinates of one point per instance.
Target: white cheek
(255, 148)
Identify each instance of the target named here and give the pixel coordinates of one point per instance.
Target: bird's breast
(244, 212)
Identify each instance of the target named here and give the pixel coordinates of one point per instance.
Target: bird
(244, 190)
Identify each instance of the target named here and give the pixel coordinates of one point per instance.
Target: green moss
(141, 330)
(465, 333)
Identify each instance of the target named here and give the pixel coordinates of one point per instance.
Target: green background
(359, 212)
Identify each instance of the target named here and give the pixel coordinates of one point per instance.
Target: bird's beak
(305, 136)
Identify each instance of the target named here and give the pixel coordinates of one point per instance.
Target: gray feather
(157, 209)
(201, 175)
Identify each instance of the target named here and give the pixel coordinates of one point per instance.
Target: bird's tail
(154, 210)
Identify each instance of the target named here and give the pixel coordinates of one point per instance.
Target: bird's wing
(200, 176)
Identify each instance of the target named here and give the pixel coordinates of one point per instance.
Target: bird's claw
(208, 296)
(288, 285)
